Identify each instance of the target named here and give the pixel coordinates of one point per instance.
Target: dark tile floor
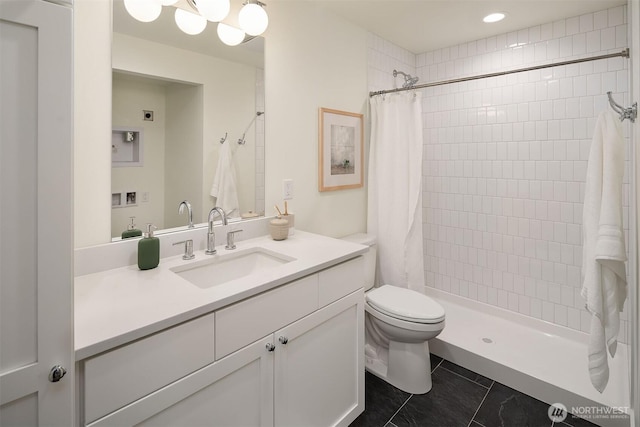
(459, 398)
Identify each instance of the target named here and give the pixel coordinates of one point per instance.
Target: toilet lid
(405, 304)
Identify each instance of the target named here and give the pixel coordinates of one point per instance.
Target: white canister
(279, 229)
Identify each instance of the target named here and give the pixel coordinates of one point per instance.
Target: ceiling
(424, 25)
(415, 25)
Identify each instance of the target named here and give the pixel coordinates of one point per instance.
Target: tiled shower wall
(505, 161)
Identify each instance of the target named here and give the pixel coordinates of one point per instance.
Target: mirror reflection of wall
(171, 168)
(196, 99)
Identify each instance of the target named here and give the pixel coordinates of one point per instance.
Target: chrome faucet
(211, 236)
(183, 204)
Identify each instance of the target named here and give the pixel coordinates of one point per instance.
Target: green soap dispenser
(131, 230)
(148, 250)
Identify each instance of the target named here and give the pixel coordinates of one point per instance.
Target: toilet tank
(369, 257)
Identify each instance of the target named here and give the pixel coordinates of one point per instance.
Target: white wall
(183, 154)
(312, 60)
(505, 164)
(92, 122)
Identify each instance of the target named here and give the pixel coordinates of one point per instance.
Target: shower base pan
(538, 358)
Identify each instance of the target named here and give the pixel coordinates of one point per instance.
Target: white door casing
(36, 252)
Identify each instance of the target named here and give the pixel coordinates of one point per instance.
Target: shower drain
(487, 340)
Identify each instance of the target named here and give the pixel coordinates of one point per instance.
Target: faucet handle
(230, 239)
(188, 249)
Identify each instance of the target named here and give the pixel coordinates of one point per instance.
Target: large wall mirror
(176, 97)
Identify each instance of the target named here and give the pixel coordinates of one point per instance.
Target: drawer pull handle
(270, 347)
(283, 340)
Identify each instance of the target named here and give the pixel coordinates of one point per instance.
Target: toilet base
(409, 367)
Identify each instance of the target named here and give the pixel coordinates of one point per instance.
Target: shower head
(409, 81)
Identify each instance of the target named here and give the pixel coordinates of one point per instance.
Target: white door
(36, 264)
(319, 366)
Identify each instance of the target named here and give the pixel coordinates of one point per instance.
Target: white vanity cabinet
(291, 356)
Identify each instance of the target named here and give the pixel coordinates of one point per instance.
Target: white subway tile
(566, 129)
(593, 41)
(594, 86)
(574, 234)
(616, 16)
(560, 315)
(579, 44)
(566, 212)
(572, 25)
(559, 29)
(586, 22)
(548, 311)
(554, 252)
(554, 211)
(621, 36)
(565, 47)
(600, 19)
(560, 232)
(541, 209)
(608, 38)
(573, 318)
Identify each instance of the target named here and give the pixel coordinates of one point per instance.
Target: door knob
(283, 340)
(270, 347)
(56, 373)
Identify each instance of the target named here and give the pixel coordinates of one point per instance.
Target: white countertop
(117, 306)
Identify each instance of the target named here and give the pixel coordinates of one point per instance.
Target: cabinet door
(234, 391)
(36, 250)
(319, 372)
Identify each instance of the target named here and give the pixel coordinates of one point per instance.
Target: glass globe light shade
(253, 19)
(214, 10)
(143, 10)
(168, 2)
(229, 35)
(189, 22)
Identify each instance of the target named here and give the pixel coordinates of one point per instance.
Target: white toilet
(398, 324)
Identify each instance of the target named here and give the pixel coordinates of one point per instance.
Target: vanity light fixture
(253, 18)
(213, 10)
(189, 22)
(229, 35)
(494, 17)
(143, 10)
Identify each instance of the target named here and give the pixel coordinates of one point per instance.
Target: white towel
(224, 187)
(604, 285)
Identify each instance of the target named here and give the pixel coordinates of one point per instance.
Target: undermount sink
(220, 269)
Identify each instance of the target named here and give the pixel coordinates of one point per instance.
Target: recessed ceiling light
(494, 17)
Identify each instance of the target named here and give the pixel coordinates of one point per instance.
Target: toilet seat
(405, 304)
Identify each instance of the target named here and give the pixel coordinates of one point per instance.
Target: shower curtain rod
(624, 54)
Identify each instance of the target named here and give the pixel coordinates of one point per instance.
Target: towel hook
(625, 113)
(222, 140)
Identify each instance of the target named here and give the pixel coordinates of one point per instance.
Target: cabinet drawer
(341, 280)
(119, 377)
(249, 320)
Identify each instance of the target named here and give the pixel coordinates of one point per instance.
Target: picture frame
(340, 150)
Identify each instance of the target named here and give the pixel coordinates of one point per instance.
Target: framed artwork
(340, 150)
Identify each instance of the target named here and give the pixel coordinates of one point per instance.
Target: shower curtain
(395, 188)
